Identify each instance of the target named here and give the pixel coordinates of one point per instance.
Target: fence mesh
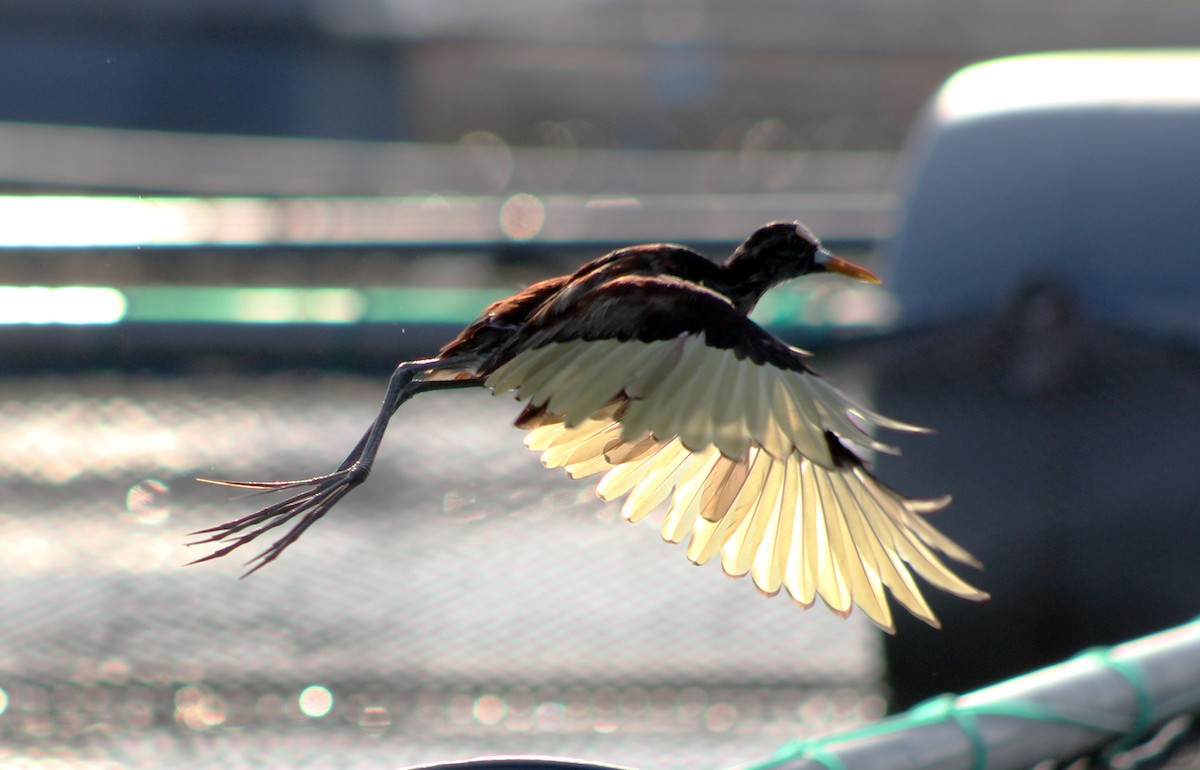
(466, 601)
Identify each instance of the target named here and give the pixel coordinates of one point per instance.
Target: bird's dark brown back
(651, 259)
(500, 320)
(558, 296)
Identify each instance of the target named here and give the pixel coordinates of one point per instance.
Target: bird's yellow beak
(845, 267)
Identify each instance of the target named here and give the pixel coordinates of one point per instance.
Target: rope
(1132, 673)
(947, 708)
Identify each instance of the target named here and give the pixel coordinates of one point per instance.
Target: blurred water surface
(464, 602)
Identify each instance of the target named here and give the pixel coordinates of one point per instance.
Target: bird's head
(783, 250)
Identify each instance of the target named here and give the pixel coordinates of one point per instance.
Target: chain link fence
(466, 601)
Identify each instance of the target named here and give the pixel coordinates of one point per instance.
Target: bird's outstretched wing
(752, 449)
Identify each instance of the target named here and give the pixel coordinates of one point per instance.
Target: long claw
(271, 486)
(310, 505)
(267, 487)
(323, 492)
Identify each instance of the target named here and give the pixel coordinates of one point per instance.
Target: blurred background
(222, 223)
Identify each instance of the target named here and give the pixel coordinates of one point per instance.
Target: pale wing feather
(671, 403)
(839, 401)
(657, 484)
(622, 478)
(758, 404)
(543, 437)
(519, 371)
(800, 420)
(603, 379)
(929, 505)
(721, 486)
(913, 550)
(738, 552)
(833, 412)
(542, 384)
(618, 453)
(740, 450)
(885, 563)
(936, 539)
(579, 450)
(854, 564)
(552, 432)
(708, 536)
(914, 520)
(679, 412)
(732, 419)
(577, 376)
(832, 585)
(585, 468)
(801, 575)
(705, 395)
(814, 578)
(816, 543)
(762, 562)
(774, 437)
(561, 393)
(578, 445)
(662, 357)
(686, 504)
(875, 418)
(770, 560)
(888, 531)
(553, 365)
(646, 410)
(697, 426)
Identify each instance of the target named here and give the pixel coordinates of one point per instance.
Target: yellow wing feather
(739, 449)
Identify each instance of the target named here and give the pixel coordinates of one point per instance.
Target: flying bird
(644, 366)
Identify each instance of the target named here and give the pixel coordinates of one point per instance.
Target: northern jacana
(643, 365)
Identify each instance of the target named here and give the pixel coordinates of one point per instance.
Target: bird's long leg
(320, 493)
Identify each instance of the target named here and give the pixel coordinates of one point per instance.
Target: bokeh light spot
(489, 709)
(316, 701)
(114, 670)
(374, 719)
(491, 157)
(199, 708)
(522, 217)
(720, 717)
(148, 502)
